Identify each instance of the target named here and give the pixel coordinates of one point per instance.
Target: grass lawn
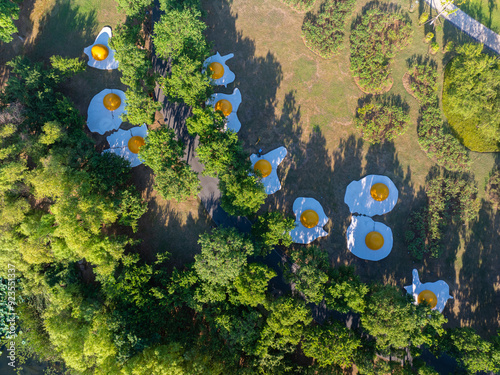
(293, 98)
(485, 11)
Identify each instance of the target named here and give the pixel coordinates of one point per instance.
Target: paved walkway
(469, 26)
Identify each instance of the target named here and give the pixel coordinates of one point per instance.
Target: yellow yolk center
(99, 52)
(224, 106)
(379, 192)
(429, 297)
(111, 101)
(135, 143)
(374, 240)
(264, 167)
(309, 218)
(217, 70)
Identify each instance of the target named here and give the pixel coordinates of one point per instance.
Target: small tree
(251, 285)
(242, 194)
(273, 229)
(331, 344)
(174, 178)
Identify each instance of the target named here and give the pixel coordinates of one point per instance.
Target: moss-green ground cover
(293, 98)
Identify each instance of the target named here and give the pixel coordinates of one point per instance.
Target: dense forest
(87, 303)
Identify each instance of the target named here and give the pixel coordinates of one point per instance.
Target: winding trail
(469, 25)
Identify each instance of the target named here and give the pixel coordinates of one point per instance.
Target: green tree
(179, 33)
(272, 229)
(251, 285)
(174, 178)
(9, 11)
(308, 273)
(472, 352)
(223, 257)
(242, 194)
(344, 291)
(397, 323)
(331, 344)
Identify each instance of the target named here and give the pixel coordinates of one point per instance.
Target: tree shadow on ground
(477, 281)
(168, 226)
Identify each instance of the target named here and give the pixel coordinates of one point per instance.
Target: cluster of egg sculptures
(106, 108)
(372, 195)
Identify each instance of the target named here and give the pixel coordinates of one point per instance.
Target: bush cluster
(300, 5)
(378, 122)
(323, 33)
(451, 199)
(375, 39)
(433, 137)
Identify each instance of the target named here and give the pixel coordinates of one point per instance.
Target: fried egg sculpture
(220, 74)
(435, 294)
(368, 239)
(105, 110)
(372, 195)
(228, 104)
(126, 143)
(310, 219)
(101, 56)
(267, 165)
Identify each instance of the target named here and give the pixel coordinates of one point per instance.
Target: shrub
(428, 37)
(378, 123)
(451, 198)
(324, 33)
(299, 5)
(434, 47)
(433, 137)
(423, 18)
(133, 8)
(375, 39)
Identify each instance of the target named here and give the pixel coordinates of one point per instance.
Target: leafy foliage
(379, 123)
(493, 187)
(433, 137)
(323, 33)
(344, 291)
(451, 199)
(330, 344)
(375, 39)
(133, 8)
(272, 229)
(9, 11)
(471, 97)
(174, 178)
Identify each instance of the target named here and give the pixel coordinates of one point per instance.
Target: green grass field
(294, 98)
(485, 11)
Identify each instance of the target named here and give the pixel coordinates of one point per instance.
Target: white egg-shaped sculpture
(368, 239)
(435, 294)
(126, 143)
(228, 104)
(267, 165)
(372, 195)
(220, 74)
(309, 222)
(100, 54)
(105, 110)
